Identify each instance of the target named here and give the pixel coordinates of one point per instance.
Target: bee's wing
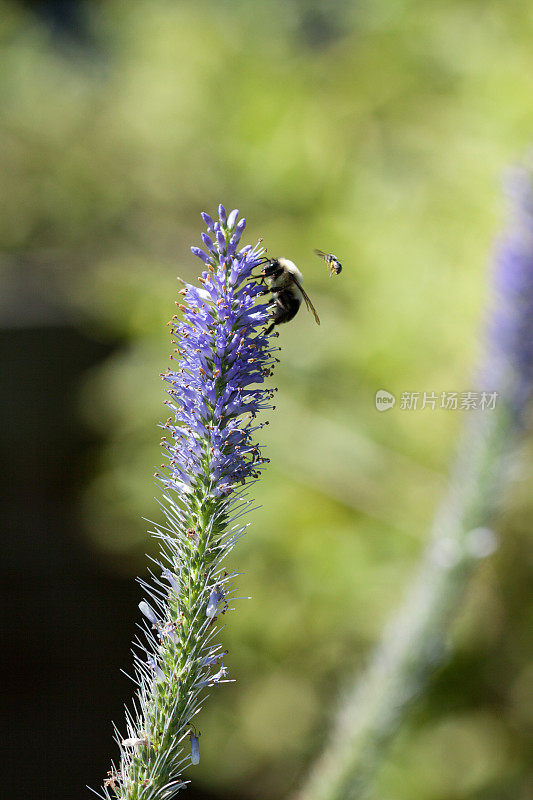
(308, 302)
(320, 253)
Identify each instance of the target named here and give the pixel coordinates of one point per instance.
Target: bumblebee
(284, 281)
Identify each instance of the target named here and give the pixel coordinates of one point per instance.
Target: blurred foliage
(377, 130)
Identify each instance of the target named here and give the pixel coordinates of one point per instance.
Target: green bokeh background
(378, 130)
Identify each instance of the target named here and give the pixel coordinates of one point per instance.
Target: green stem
(415, 639)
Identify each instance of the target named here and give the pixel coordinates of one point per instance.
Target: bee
(284, 281)
(335, 266)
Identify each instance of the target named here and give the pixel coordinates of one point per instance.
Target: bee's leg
(259, 278)
(262, 264)
(276, 314)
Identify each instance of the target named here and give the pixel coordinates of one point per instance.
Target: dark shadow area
(68, 621)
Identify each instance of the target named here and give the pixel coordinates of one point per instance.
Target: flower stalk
(222, 353)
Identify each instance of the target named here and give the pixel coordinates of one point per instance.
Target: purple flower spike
(216, 390)
(232, 218)
(222, 214)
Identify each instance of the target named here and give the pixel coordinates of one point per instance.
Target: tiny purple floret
(171, 578)
(195, 749)
(214, 679)
(221, 241)
(214, 599)
(208, 661)
(208, 242)
(209, 222)
(196, 251)
(148, 612)
(232, 218)
(152, 663)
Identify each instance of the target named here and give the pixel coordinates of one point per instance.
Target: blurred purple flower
(508, 365)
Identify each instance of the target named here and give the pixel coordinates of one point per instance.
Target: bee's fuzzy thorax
(291, 267)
